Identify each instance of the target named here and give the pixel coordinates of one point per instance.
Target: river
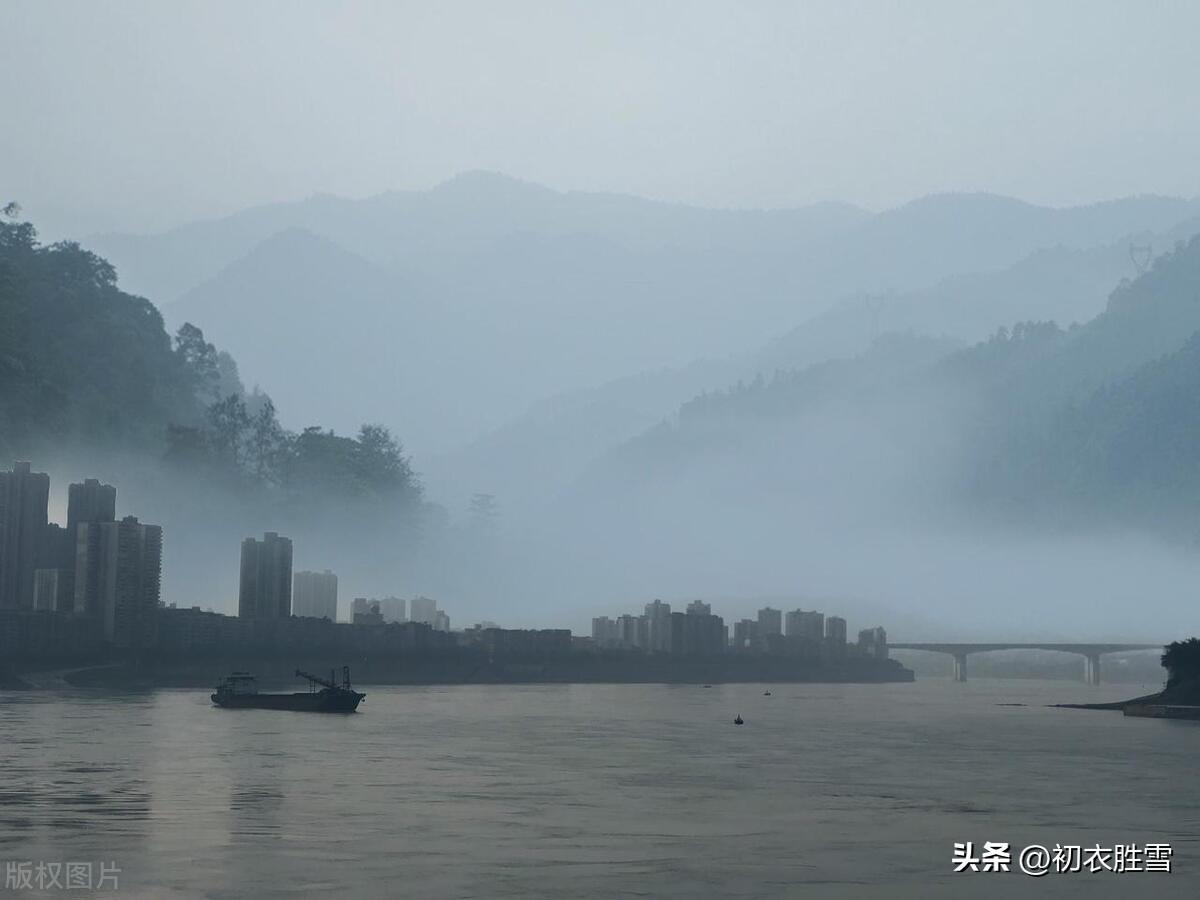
(597, 791)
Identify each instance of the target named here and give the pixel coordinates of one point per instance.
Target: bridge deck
(960, 649)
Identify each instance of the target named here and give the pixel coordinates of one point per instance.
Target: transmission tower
(1141, 254)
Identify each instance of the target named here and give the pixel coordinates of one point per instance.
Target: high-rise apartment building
(393, 610)
(24, 500)
(265, 590)
(45, 589)
(605, 632)
(697, 634)
(873, 642)
(631, 630)
(835, 630)
(809, 625)
(745, 635)
(658, 618)
(314, 595)
(90, 501)
(125, 560)
(422, 609)
(770, 622)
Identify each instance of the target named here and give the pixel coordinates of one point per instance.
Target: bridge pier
(960, 667)
(1091, 668)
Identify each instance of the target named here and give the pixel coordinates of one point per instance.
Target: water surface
(597, 790)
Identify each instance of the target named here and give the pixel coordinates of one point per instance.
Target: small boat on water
(240, 691)
(739, 720)
(766, 693)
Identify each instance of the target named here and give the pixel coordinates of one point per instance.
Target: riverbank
(1114, 706)
(1175, 701)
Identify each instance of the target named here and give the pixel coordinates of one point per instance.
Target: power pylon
(1141, 255)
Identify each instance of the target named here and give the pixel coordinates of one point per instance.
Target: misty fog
(694, 346)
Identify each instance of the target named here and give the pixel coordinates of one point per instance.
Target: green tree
(268, 445)
(228, 427)
(322, 463)
(81, 362)
(201, 361)
(228, 379)
(381, 464)
(1181, 659)
(77, 266)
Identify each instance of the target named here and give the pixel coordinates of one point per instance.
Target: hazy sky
(139, 115)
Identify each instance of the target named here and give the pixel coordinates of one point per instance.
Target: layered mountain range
(658, 397)
(513, 334)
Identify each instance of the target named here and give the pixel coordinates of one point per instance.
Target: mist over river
(598, 790)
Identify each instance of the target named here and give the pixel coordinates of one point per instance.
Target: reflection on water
(597, 790)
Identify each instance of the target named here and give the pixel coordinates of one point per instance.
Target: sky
(144, 114)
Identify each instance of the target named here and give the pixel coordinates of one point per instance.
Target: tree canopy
(1181, 659)
(80, 360)
(84, 364)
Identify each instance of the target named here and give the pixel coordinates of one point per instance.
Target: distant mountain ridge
(925, 239)
(461, 213)
(1057, 283)
(316, 311)
(497, 294)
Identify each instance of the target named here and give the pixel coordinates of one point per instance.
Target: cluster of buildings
(697, 632)
(391, 611)
(96, 567)
(193, 633)
(268, 589)
(95, 583)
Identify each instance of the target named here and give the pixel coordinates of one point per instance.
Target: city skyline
(101, 568)
(97, 568)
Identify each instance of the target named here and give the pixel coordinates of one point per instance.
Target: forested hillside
(1103, 418)
(80, 360)
(1098, 422)
(87, 369)
(458, 309)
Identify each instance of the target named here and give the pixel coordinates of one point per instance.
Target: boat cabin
(239, 683)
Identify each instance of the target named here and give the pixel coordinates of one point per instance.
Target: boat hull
(308, 701)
